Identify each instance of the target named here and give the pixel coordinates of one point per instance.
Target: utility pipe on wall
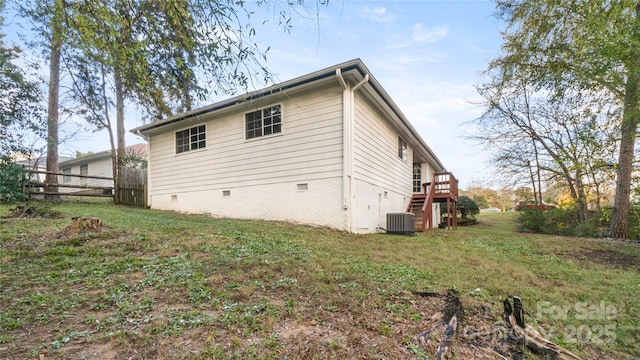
(347, 140)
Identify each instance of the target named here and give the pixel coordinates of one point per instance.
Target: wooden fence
(68, 187)
(133, 190)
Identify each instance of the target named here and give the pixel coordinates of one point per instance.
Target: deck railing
(444, 183)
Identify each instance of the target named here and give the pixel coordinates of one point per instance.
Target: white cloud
(420, 57)
(377, 14)
(421, 35)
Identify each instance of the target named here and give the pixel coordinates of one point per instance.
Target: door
(367, 207)
(417, 178)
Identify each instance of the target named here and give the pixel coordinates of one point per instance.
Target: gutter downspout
(347, 141)
(146, 138)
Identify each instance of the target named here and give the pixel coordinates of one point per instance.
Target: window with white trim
(66, 178)
(402, 149)
(191, 139)
(84, 169)
(263, 122)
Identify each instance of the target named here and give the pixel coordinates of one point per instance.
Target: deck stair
(442, 189)
(417, 206)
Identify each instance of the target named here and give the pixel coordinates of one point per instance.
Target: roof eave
(87, 158)
(355, 64)
(240, 99)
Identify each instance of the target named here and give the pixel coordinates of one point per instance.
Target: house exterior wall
(95, 167)
(292, 176)
(335, 162)
(383, 180)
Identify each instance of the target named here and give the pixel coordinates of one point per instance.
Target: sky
(427, 55)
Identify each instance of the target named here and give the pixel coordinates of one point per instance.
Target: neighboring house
(98, 164)
(330, 148)
(36, 164)
(31, 164)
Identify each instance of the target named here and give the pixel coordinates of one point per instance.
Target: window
(402, 149)
(417, 178)
(191, 139)
(84, 169)
(263, 122)
(66, 178)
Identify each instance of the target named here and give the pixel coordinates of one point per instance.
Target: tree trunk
(109, 127)
(538, 176)
(119, 87)
(533, 183)
(85, 223)
(581, 200)
(54, 94)
(620, 216)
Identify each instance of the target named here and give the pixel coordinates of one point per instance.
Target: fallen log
(514, 319)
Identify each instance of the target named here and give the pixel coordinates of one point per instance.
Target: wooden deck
(442, 189)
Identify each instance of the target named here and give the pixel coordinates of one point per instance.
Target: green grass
(167, 285)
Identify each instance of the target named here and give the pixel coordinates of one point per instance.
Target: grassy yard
(161, 285)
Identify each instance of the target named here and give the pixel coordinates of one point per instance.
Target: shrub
(589, 228)
(467, 207)
(531, 220)
(561, 221)
(12, 177)
(564, 221)
(603, 224)
(634, 220)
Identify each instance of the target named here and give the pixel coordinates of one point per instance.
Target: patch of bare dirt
(610, 258)
(378, 334)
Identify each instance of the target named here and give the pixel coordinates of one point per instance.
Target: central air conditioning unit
(401, 223)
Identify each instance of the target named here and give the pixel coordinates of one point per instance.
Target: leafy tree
(107, 60)
(480, 200)
(48, 18)
(581, 46)
(20, 111)
(467, 207)
(523, 193)
(12, 178)
(135, 161)
(484, 197)
(80, 154)
(147, 52)
(564, 138)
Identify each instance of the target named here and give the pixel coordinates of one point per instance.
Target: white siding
(260, 174)
(428, 172)
(378, 171)
(95, 167)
